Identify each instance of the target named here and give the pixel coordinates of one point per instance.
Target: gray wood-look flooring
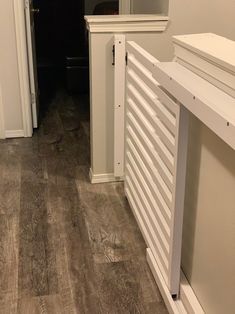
(67, 246)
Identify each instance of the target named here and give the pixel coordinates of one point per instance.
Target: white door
(32, 63)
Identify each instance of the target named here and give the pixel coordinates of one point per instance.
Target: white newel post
(106, 127)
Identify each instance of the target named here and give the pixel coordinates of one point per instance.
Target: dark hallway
(61, 46)
(67, 246)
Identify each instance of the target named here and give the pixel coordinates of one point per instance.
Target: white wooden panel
(119, 104)
(162, 131)
(162, 223)
(124, 7)
(153, 174)
(133, 199)
(143, 124)
(32, 62)
(155, 162)
(151, 155)
(162, 187)
(220, 50)
(160, 244)
(212, 106)
(145, 58)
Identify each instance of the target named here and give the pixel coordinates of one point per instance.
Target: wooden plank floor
(67, 246)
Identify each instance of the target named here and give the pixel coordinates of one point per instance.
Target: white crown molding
(200, 54)
(126, 23)
(214, 48)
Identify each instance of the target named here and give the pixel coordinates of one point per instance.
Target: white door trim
(124, 6)
(22, 59)
(2, 121)
(119, 103)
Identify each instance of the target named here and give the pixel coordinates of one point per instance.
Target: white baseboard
(187, 302)
(14, 133)
(103, 178)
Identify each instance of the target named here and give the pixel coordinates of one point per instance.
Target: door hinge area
(113, 52)
(126, 58)
(26, 4)
(33, 98)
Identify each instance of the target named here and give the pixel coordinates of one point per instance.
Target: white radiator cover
(159, 96)
(155, 163)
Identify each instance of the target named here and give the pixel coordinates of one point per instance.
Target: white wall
(149, 6)
(9, 78)
(208, 255)
(90, 5)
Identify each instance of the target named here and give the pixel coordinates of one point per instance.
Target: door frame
(124, 6)
(23, 70)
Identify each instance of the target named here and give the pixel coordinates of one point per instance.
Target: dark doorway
(61, 47)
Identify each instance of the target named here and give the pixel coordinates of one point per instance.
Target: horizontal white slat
(151, 83)
(152, 156)
(166, 112)
(150, 171)
(141, 71)
(163, 226)
(152, 153)
(165, 116)
(143, 210)
(140, 85)
(162, 186)
(142, 55)
(130, 193)
(154, 106)
(162, 244)
(147, 97)
(155, 141)
(167, 100)
(158, 127)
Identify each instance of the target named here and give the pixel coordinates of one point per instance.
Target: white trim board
(23, 67)
(212, 106)
(14, 133)
(2, 121)
(206, 68)
(187, 302)
(126, 23)
(119, 103)
(216, 49)
(103, 178)
(124, 6)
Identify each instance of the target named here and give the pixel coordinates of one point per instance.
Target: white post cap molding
(210, 56)
(126, 23)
